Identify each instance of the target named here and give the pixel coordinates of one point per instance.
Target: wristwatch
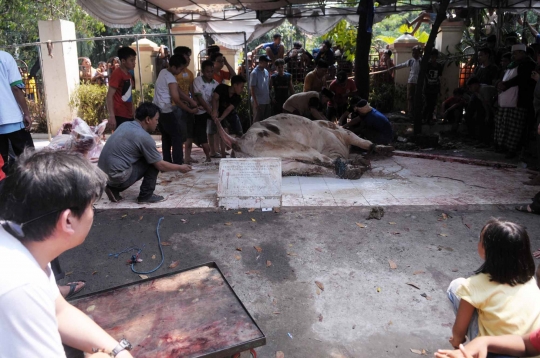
(123, 344)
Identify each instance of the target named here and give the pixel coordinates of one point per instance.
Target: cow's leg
(369, 146)
(293, 167)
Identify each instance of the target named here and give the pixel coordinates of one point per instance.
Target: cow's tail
(228, 139)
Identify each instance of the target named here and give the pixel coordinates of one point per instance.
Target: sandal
(525, 209)
(113, 194)
(217, 155)
(73, 288)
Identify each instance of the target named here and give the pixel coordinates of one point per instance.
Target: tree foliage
(344, 36)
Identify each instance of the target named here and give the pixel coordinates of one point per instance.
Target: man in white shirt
(47, 209)
(414, 64)
(15, 120)
(166, 94)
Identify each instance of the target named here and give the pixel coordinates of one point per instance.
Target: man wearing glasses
(47, 209)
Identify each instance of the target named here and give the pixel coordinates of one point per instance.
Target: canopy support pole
(139, 68)
(247, 78)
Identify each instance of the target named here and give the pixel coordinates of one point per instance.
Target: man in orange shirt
(219, 61)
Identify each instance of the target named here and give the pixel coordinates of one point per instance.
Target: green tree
(344, 36)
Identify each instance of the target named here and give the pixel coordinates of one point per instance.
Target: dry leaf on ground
(123, 216)
(268, 263)
(413, 285)
(238, 249)
(238, 257)
(143, 276)
(318, 291)
(417, 351)
(395, 233)
(443, 216)
(318, 249)
(165, 243)
(378, 289)
(250, 210)
(141, 217)
(174, 264)
(259, 249)
(392, 223)
(183, 220)
(291, 254)
(153, 257)
(455, 270)
(238, 235)
(360, 225)
(239, 212)
(319, 285)
(93, 273)
(253, 220)
(277, 210)
(280, 354)
(443, 235)
(68, 273)
(228, 224)
(418, 272)
(392, 264)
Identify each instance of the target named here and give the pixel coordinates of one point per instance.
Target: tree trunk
(419, 94)
(363, 46)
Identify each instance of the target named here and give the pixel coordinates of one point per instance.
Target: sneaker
(113, 194)
(151, 200)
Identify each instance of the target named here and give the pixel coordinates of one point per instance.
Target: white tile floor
(392, 181)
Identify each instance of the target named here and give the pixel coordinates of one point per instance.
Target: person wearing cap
(343, 88)
(414, 65)
(316, 79)
(308, 104)
(370, 124)
(516, 91)
(432, 86)
(281, 83)
(259, 80)
(274, 50)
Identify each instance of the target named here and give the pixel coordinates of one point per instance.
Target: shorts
(199, 128)
(231, 122)
(190, 122)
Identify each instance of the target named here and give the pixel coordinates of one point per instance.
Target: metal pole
(139, 68)
(42, 95)
(169, 32)
(248, 68)
(108, 38)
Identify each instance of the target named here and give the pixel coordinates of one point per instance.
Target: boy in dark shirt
(281, 82)
(432, 85)
(225, 100)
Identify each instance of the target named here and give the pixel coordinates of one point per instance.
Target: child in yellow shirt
(502, 297)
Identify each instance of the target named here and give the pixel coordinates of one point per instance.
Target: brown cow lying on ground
(306, 147)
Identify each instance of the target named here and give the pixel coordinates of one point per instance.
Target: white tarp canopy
(257, 17)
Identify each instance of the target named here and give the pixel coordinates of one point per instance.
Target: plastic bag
(82, 138)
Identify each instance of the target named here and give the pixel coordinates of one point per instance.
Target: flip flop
(215, 155)
(523, 209)
(73, 288)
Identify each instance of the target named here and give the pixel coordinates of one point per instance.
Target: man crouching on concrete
(47, 209)
(130, 154)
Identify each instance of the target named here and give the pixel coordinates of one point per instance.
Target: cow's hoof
(384, 150)
(360, 161)
(354, 173)
(345, 171)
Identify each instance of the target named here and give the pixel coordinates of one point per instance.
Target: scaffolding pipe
(248, 73)
(139, 68)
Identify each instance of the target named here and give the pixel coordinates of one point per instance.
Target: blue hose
(160, 250)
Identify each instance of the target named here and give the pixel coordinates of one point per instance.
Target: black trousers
(19, 140)
(140, 169)
(430, 103)
(120, 120)
(171, 136)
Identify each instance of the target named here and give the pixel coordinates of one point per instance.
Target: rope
(160, 250)
(135, 258)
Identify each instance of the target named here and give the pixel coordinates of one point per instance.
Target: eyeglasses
(17, 229)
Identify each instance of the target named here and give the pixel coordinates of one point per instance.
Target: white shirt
(10, 112)
(204, 89)
(162, 94)
(415, 69)
(28, 323)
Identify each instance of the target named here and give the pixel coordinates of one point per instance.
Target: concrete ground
(366, 309)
